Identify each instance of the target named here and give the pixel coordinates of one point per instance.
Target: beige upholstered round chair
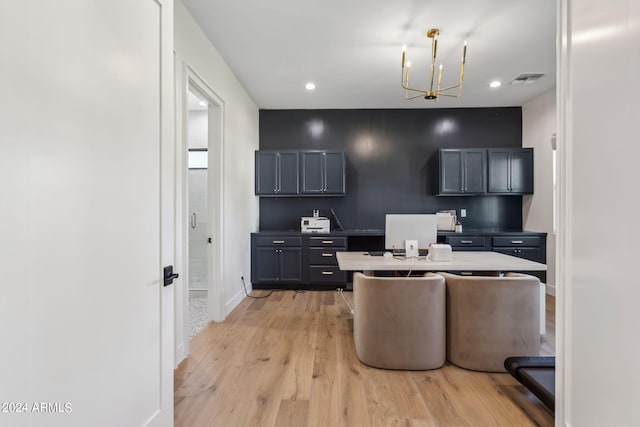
(492, 318)
(399, 322)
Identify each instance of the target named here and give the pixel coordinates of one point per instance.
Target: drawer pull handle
(327, 242)
(278, 242)
(327, 255)
(517, 242)
(466, 242)
(327, 273)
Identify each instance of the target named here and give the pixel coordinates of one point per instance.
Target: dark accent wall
(391, 162)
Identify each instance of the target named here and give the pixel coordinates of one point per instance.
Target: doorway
(200, 219)
(197, 194)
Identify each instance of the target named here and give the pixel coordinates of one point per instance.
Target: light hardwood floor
(289, 360)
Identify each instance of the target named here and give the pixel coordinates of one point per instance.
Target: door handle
(169, 275)
(193, 220)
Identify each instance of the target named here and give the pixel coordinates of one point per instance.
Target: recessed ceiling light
(310, 86)
(495, 84)
(202, 103)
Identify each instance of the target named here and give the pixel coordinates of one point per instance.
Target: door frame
(186, 77)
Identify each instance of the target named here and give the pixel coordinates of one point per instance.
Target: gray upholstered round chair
(399, 322)
(491, 318)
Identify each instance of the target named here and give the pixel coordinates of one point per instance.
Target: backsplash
(391, 162)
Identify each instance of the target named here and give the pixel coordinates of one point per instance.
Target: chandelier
(431, 93)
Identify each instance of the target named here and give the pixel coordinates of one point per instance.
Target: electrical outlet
(463, 213)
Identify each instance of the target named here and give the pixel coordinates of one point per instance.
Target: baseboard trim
(551, 289)
(235, 300)
(181, 354)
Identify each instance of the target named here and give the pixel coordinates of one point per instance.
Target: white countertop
(465, 261)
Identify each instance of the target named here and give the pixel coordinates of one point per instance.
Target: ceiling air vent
(526, 79)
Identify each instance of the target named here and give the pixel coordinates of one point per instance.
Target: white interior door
(85, 125)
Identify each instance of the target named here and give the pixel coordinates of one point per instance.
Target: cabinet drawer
(328, 241)
(532, 254)
(324, 256)
(278, 241)
(514, 241)
(327, 274)
(471, 241)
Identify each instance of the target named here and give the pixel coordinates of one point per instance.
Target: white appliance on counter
(315, 224)
(446, 220)
(440, 252)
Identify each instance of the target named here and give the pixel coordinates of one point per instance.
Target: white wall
(598, 286)
(240, 206)
(198, 128)
(539, 122)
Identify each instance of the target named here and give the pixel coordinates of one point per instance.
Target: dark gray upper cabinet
(300, 173)
(322, 172)
(463, 171)
(510, 170)
(277, 173)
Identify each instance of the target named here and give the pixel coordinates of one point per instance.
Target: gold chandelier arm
(451, 87)
(412, 97)
(415, 90)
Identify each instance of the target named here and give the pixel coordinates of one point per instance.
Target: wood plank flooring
(289, 360)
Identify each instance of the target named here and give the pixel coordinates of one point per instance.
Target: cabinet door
(498, 171)
(521, 165)
(451, 171)
(266, 172)
(290, 263)
(312, 172)
(463, 171)
(474, 163)
(288, 173)
(510, 170)
(334, 172)
(266, 264)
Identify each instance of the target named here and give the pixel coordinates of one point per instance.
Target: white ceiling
(351, 49)
(196, 102)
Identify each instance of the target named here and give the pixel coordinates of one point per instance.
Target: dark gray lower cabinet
(322, 262)
(527, 245)
(533, 248)
(308, 261)
(276, 259)
(296, 261)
